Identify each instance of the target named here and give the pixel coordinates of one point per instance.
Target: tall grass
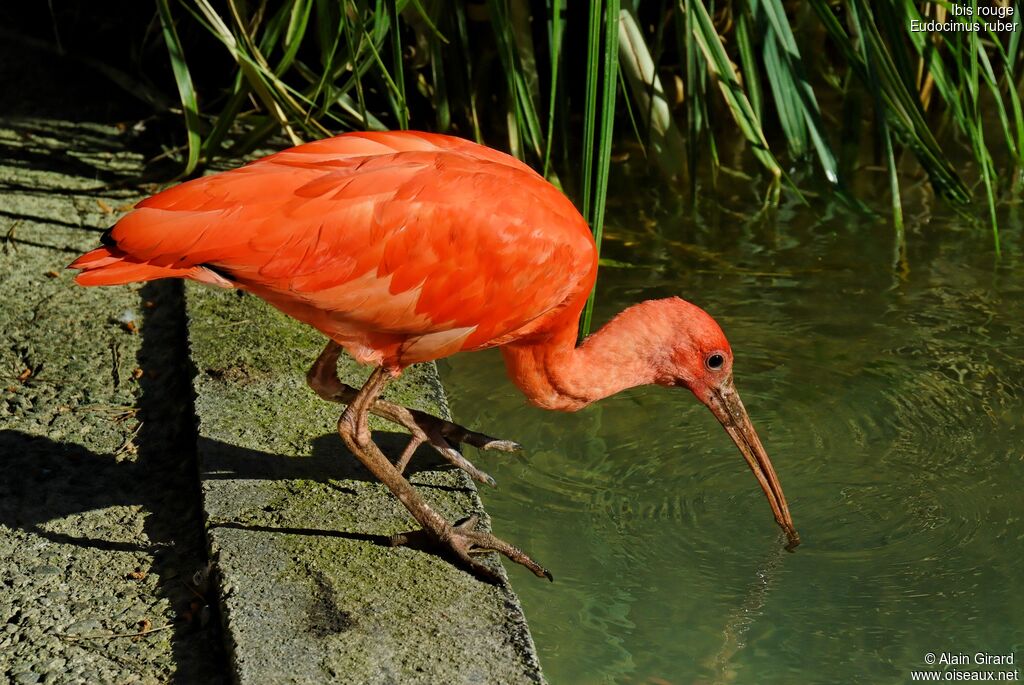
(792, 80)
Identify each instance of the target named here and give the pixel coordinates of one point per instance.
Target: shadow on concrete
(13, 242)
(47, 480)
(63, 168)
(328, 461)
(68, 149)
(382, 540)
(46, 486)
(167, 460)
(22, 216)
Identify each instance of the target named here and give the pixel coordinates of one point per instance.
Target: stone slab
(310, 590)
(100, 522)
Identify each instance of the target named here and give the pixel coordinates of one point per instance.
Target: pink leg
(462, 540)
(442, 435)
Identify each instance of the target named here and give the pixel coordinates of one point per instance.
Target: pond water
(889, 393)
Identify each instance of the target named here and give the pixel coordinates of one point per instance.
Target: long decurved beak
(724, 402)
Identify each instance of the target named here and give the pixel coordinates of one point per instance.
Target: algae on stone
(300, 529)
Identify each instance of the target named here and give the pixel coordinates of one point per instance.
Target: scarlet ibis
(405, 247)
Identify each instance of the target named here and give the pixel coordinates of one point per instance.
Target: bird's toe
(445, 449)
(501, 445)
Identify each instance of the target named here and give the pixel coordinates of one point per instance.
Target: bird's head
(700, 358)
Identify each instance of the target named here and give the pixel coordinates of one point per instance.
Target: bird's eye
(715, 361)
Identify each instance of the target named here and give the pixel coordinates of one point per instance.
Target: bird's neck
(554, 373)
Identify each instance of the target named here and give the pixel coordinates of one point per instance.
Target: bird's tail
(110, 266)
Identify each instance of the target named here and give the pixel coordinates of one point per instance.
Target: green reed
(540, 79)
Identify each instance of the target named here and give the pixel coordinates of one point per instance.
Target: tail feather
(110, 266)
(96, 259)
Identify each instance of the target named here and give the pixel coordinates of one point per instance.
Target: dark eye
(715, 361)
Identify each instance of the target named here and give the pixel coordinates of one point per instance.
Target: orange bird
(405, 247)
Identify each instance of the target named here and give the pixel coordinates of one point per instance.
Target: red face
(708, 366)
(702, 361)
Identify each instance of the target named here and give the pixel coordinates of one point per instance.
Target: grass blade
(902, 108)
(590, 104)
(637, 64)
(249, 67)
(402, 110)
(792, 74)
(609, 86)
(183, 78)
(684, 26)
(474, 118)
(718, 62)
(556, 27)
(523, 112)
(748, 61)
(883, 131)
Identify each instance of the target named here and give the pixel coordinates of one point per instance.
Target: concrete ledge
(100, 529)
(310, 592)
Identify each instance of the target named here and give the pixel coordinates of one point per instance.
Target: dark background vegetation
(803, 98)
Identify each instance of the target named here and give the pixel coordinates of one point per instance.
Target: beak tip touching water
(724, 402)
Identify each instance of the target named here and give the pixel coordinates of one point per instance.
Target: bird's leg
(462, 539)
(440, 434)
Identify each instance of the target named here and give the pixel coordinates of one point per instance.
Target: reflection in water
(889, 399)
(741, 620)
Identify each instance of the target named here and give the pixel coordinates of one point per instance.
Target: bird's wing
(401, 233)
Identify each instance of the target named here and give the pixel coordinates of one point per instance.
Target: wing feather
(394, 236)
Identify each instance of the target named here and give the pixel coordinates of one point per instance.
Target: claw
(423, 427)
(461, 539)
(479, 541)
(464, 540)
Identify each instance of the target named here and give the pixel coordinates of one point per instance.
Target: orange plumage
(405, 247)
(402, 247)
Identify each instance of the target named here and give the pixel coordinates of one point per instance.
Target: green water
(890, 396)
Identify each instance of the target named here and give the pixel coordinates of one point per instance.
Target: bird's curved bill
(724, 402)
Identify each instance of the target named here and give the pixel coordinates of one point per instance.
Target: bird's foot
(445, 449)
(443, 436)
(464, 540)
(455, 433)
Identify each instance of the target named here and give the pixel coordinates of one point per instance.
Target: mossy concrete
(100, 525)
(311, 592)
